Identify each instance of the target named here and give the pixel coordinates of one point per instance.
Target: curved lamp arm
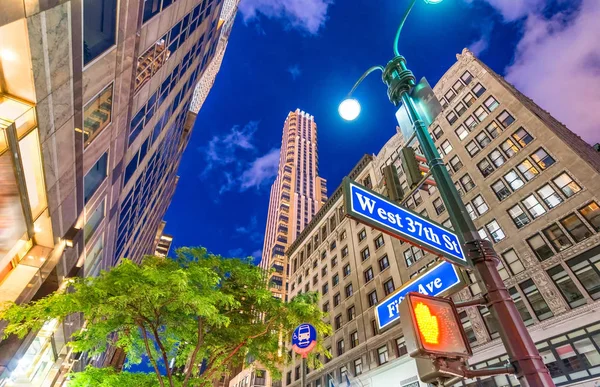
(369, 71)
(396, 40)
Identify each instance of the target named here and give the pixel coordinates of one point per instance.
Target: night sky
(288, 54)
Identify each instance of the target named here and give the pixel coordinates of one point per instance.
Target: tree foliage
(198, 309)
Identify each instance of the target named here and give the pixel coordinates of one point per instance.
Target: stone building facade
(531, 187)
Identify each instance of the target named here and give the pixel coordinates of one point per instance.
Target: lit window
(97, 114)
(518, 216)
(31, 159)
(522, 137)
(493, 129)
(542, 159)
(99, 28)
(95, 176)
(575, 227)
(557, 237)
(566, 184)
(591, 213)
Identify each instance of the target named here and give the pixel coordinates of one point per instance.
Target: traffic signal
(410, 166)
(392, 183)
(432, 327)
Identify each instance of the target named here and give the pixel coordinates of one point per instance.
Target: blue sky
(288, 54)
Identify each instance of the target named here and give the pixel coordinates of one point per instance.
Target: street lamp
(529, 366)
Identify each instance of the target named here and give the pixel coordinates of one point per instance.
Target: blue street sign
(441, 280)
(304, 339)
(379, 212)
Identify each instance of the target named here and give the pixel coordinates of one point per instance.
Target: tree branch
(149, 352)
(164, 354)
(199, 343)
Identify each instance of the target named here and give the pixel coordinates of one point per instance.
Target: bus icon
(304, 335)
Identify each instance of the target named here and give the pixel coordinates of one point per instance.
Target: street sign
(431, 326)
(379, 212)
(304, 339)
(442, 280)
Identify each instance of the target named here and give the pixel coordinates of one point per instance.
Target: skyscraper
(296, 195)
(94, 117)
(531, 187)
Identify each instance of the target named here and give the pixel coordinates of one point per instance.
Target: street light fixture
(530, 367)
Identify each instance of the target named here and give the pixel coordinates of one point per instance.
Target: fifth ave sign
(379, 212)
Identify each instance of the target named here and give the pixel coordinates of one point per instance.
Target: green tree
(196, 308)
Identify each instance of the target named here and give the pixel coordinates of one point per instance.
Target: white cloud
(557, 64)
(261, 170)
(294, 71)
(305, 15)
(257, 253)
(479, 46)
(512, 10)
(222, 150)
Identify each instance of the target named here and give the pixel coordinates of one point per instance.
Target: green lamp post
(524, 356)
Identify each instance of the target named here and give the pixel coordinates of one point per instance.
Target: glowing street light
(349, 109)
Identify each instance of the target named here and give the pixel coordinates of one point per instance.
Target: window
(527, 169)
(485, 167)
(325, 288)
(549, 196)
(326, 307)
(505, 118)
(438, 204)
(514, 180)
(489, 321)
(557, 237)
(332, 245)
(417, 198)
(567, 287)
(401, 346)
(470, 122)
(467, 182)
(458, 86)
(364, 254)
(384, 263)
(340, 347)
(480, 113)
(324, 271)
(500, 189)
(493, 129)
(482, 139)
(94, 178)
(495, 231)
(93, 221)
(460, 108)
(382, 355)
(522, 137)
(461, 132)
(335, 280)
(533, 206)
(587, 271)
(478, 90)
(388, 286)
(497, 158)
(99, 28)
(480, 205)
(491, 103)
(372, 298)
(472, 148)
(97, 114)
(575, 228)
(541, 250)
(513, 261)
(351, 313)
(451, 117)
(353, 339)
(344, 251)
(537, 302)
(349, 290)
(542, 158)
(358, 367)
(438, 132)
(342, 236)
(469, 99)
(446, 147)
(471, 211)
(466, 77)
(468, 328)
(368, 274)
(379, 241)
(334, 261)
(566, 184)
(509, 148)
(412, 255)
(337, 299)
(347, 270)
(521, 307)
(591, 213)
(450, 95)
(362, 235)
(518, 216)
(456, 164)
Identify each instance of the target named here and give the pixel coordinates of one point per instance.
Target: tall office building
(532, 188)
(94, 117)
(296, 195)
